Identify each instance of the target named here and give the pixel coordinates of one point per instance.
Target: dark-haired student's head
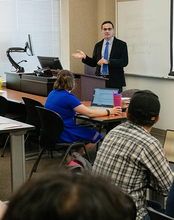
(144, 108)
(67, 196)
(65, 81)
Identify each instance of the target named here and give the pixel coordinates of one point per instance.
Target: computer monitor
(51, 62)
(30, 45)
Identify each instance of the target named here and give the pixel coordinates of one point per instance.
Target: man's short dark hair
(68, 196)
(107, 22)
(144, 108)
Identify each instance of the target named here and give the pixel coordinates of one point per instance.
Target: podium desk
(40, 85)
(29, 82)
(13, 80)
(85, 85)
(17, 130)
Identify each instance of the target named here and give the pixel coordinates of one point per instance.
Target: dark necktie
(105, 66)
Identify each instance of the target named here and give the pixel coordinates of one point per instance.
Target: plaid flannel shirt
(134, 160)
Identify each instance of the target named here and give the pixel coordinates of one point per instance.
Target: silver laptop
(102, 99)
(169, 147)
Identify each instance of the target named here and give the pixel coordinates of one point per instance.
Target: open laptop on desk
(102, 99)
(169, 147)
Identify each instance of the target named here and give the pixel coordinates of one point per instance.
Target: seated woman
(62, 101)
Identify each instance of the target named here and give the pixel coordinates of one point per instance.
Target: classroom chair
(155, 215)
(52, 126)
(32, 118)
(88, 70)
(129, 93)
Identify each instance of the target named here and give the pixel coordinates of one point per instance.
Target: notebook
(102, 99)
(169, 147)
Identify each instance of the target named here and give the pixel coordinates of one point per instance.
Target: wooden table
(104, 119)
(16, 97)
(17, 131)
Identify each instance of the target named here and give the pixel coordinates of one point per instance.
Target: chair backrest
(129, 92)
(32, 114)
(3, 106)
(155, 215)
(88, 70)
(52, 126)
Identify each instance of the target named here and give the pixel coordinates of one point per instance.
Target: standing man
(132, 157)
(109, 56)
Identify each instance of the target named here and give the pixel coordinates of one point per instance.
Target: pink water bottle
(117, 99)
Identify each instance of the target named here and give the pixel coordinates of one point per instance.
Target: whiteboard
(145, 26)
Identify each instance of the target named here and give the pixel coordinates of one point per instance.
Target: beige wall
(106, 10)
(81, 21)
(83, 29)
(65, 34)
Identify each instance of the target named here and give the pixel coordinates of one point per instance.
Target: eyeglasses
(105, 29)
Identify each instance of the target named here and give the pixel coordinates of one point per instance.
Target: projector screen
(147, 34)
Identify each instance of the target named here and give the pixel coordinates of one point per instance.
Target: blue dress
(63, 103)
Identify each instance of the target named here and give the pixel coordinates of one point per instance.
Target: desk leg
(17, 159)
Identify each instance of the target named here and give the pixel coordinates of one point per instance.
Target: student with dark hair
(62, 101)
(68, 196)
(110, 56)
(132, 157)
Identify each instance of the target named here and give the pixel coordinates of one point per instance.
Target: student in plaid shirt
(134, 159)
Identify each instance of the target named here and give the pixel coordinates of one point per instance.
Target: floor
(47, 163)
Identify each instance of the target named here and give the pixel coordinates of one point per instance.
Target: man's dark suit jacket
(118, 59)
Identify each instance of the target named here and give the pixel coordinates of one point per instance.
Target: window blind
(40, 19)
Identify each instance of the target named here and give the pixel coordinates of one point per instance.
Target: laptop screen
(169, 145)
(51, 62)
(103, 97)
